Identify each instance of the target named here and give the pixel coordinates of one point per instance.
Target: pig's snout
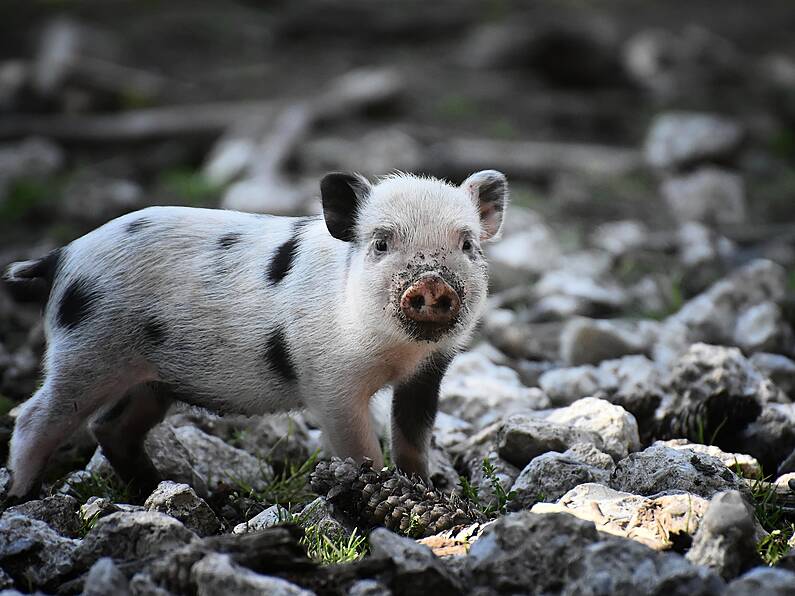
(430, 299)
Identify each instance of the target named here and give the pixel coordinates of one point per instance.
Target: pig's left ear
(342, 194)
(489, 191)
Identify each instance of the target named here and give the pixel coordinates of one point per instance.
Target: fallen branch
(208, 120)
(531, 159)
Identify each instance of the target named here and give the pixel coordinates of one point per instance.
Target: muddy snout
(430, 299)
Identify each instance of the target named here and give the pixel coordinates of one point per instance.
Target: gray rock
(219, 463)
(449, 430)
(600, 294)
(627, 376)
(368, 587)
(617, 427)
(522, 438)
(217, 575)
(677, 139)
(172, 459)
(59, 512)
(104, 578)
(588, 454)
(726, 539)
(703, 252)
(714, 393)
(272, 516)
(778, 368)
(32, 551)
(322, 515)
(5, 483)
(745, 465)
(142, 584)
(709, 195)
(525, 252)
(658, 468)
(712, 315)
(481, 392)
(551, 475)
(527, 549)
(131, 536)
(620, 237)
(653, 522)
(763, 580)
(762, 328)
(590, 341)
(181, 502)
(416, 568)
(625, 567)
(97, 507)
(281, 438)
(771, 437)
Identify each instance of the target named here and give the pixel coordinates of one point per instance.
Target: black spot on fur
(76, 304)
(229, 240)
(33, 284)
(415, 400)
(277, 355)
(155, 331)
(283, 258)
(139, 224)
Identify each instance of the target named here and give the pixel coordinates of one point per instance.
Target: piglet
(244, 313)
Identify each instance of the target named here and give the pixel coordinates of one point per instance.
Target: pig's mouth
(428, 302)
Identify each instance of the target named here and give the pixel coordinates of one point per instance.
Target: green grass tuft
(777, 521)
(87, 524)
(471, 492)
(289, 487)
(334, 548)
(99, 485)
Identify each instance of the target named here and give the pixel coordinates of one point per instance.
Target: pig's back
(203, 294)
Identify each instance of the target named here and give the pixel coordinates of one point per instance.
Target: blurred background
(650, 145)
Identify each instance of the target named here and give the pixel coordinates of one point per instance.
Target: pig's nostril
(444, 303)
(417, 302)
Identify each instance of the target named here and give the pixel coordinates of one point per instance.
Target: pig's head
(416, 269)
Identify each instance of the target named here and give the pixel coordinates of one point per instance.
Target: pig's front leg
(348, 429)
(414, 407)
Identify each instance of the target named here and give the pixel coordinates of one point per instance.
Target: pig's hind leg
(45, 421)
(121, 431)
(77, 385)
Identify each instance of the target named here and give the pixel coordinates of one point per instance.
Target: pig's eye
(466, 245)
(380, 245)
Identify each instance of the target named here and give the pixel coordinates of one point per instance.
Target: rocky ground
(624, 421)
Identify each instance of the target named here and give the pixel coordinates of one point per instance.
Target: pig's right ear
(488, 189)
(342, 194)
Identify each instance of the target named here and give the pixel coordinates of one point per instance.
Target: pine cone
(388, 498)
